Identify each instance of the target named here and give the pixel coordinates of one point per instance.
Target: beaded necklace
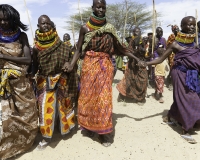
(134, 37)
(9, 36)
(68, 43)
(185, 38)
(95, 22)
(45, 40)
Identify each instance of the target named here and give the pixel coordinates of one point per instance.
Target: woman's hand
(142, 64)
(67, 67)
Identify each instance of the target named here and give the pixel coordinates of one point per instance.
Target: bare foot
(90, 134)
(120, 98)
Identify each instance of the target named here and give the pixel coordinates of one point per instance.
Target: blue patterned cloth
(192, 80)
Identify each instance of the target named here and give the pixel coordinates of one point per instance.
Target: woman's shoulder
(23, 34)
(23, 37)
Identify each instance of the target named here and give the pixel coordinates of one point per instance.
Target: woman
(18, 111)
(185, 108)
(134, 83)
(55, 89)
(99, 41)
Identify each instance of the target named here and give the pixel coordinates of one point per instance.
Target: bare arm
(25, 49)
(78, 50)
(35, 62)
(129, 52)
(130, 55)
(164, 55)
(68, 67)
(165, 43)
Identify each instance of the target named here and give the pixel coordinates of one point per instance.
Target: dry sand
(139, 134)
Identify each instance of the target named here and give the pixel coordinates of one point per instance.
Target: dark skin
(198, 25)
(66, 37)
(188, 26)
(136, 45)
(145, 40)
(44, 25)
(175, 31)
(99, 9)
(150, 44)
(159, 34)
(136, 31)
(26, 60)
(128, 39)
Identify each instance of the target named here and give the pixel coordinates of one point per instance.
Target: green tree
(137, 15)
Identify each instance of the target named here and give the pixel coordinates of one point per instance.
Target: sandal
(189, 138)
(42, 145)
(104, 141)
(161, 100)
(168, 121)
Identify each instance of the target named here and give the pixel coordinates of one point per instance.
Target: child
(160, 76)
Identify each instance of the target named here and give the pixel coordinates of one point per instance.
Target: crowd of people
(46, 83)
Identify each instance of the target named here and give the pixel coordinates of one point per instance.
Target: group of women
(99, 41)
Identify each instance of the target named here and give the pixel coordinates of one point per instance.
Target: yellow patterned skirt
(54, 104)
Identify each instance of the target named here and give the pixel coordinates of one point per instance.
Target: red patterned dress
(95, 99)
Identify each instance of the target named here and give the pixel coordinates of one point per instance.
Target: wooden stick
(135, 18)
(156, 23)
(125, 20)
(197, 38)
(80, 12)
(153, 27)
(73, 33)
(29, 20)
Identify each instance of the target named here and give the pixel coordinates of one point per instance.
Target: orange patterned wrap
(95, 99)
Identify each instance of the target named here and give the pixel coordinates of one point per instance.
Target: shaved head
(99, 1)
(185, 20)
(43, 16)
(44, 24)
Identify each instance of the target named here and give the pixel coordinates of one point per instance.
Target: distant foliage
(138, 15)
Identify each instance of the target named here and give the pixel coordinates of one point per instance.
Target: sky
(59, 11)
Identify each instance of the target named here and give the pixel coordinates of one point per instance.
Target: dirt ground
(139, 134)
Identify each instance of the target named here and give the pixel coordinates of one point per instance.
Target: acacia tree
(137, 15)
